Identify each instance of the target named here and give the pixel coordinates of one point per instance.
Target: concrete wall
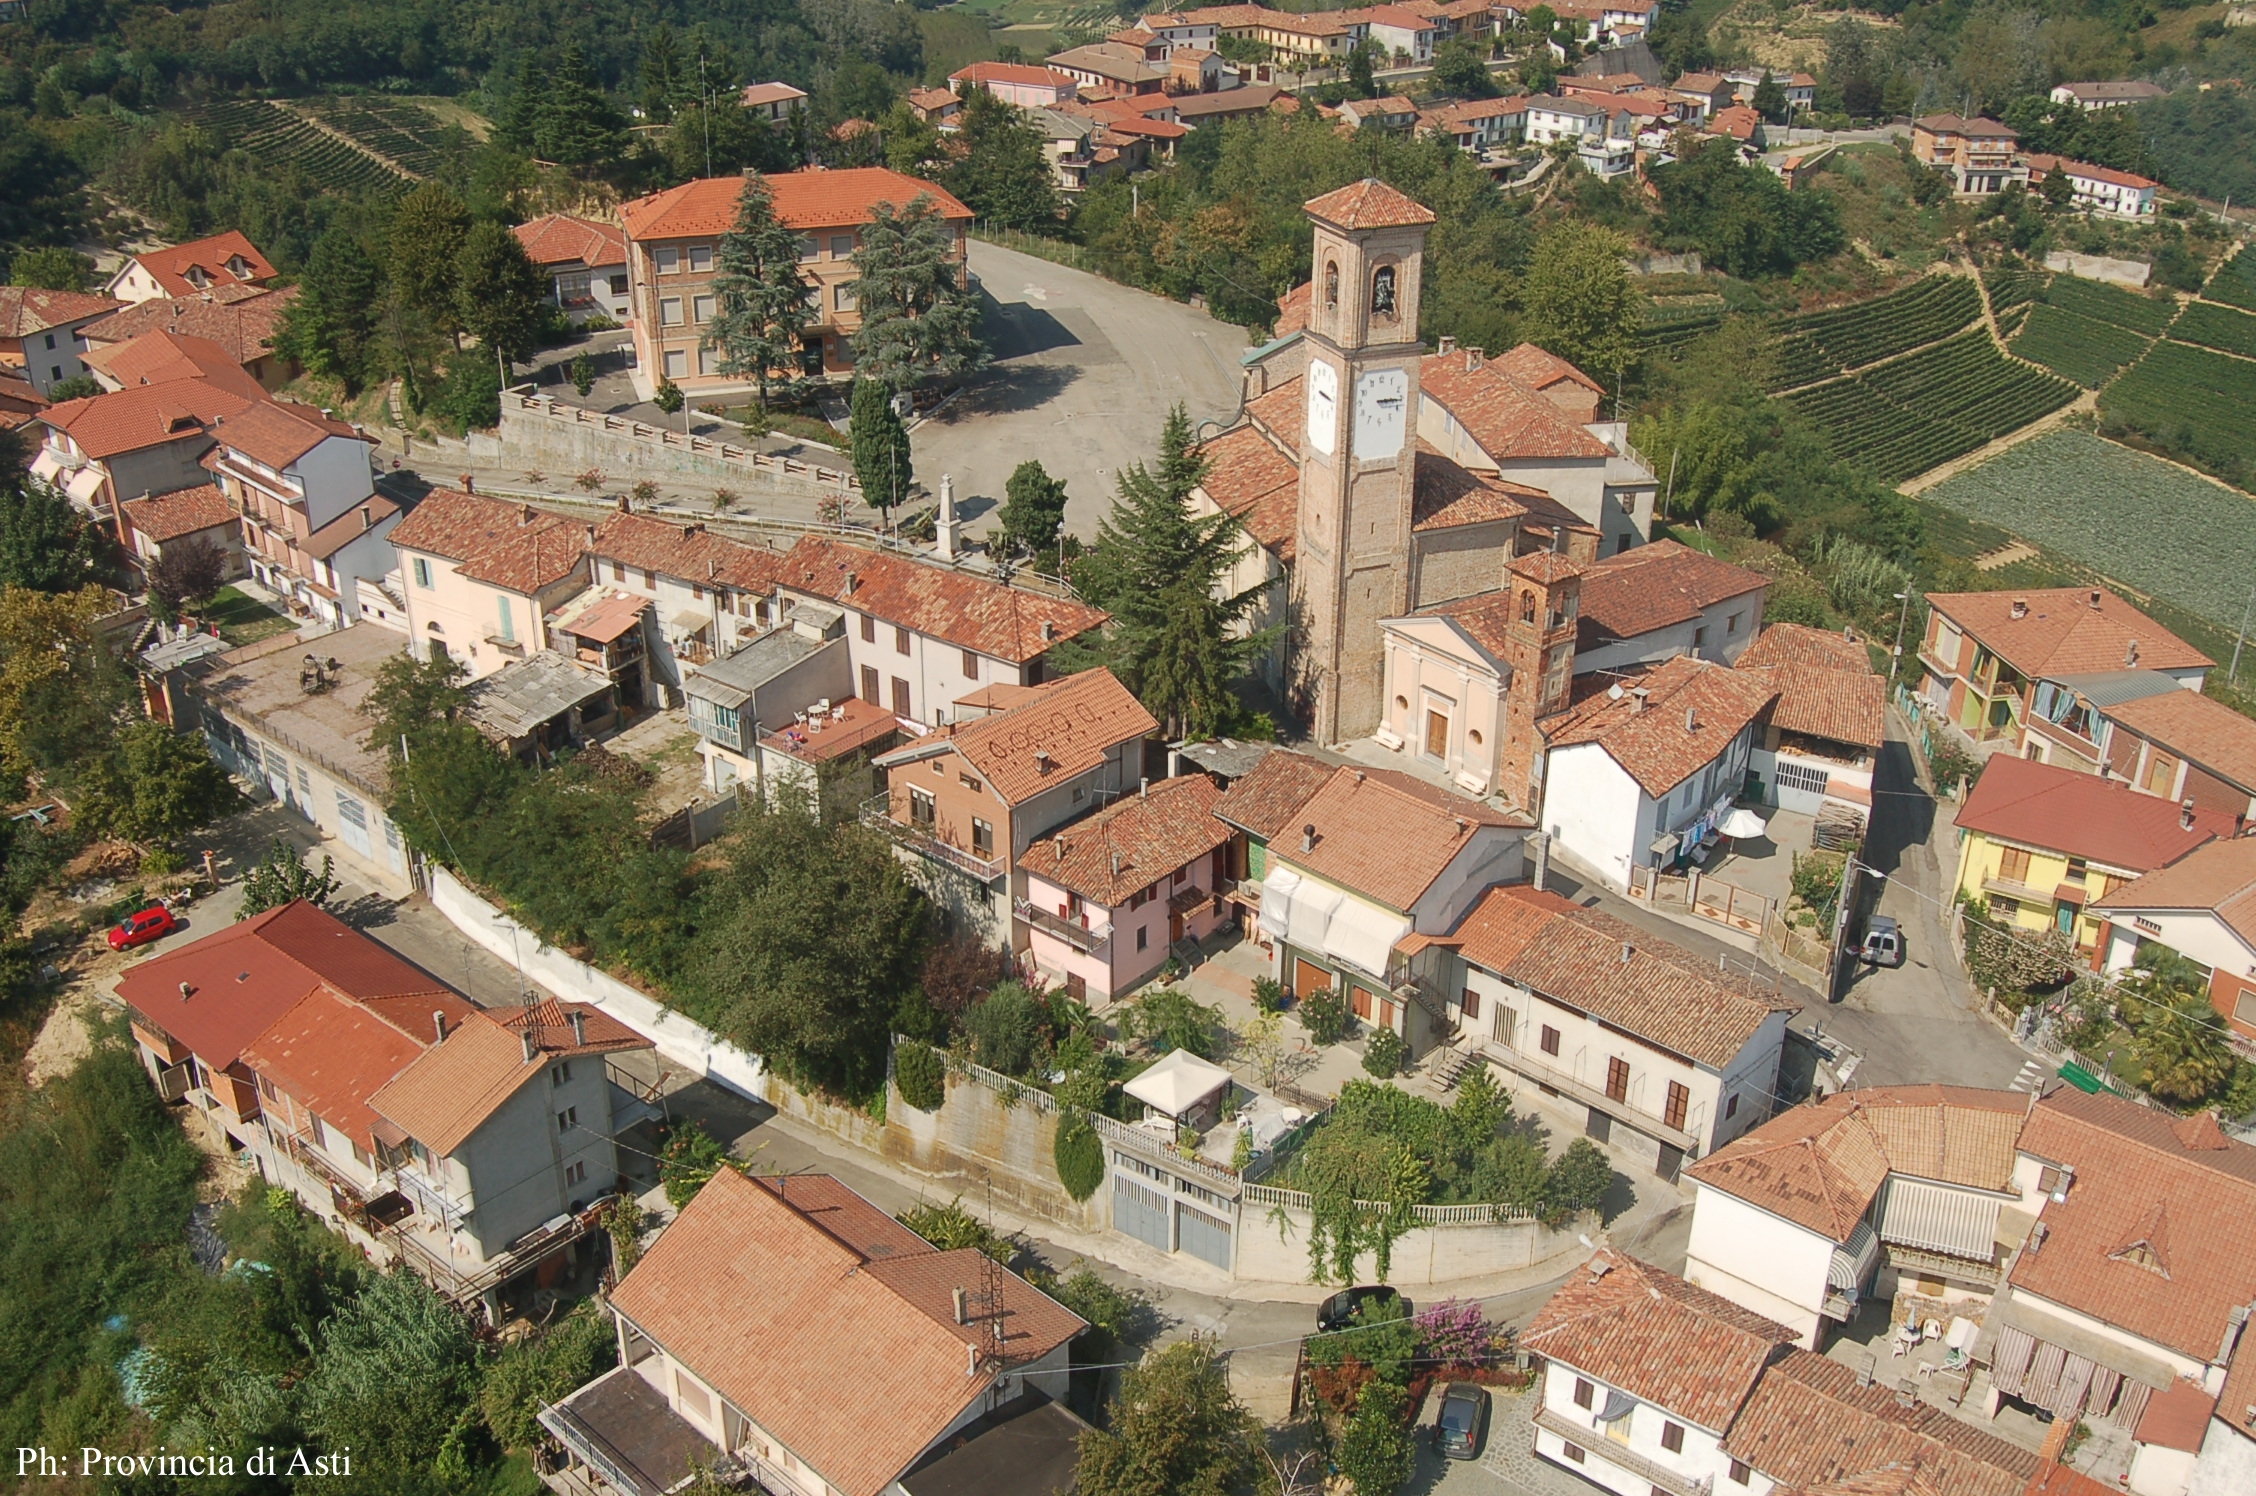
(1273, 1248)
(975, 1143)
(2131, 273)
(530, 438)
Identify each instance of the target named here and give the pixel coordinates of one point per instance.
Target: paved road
(1085, 373)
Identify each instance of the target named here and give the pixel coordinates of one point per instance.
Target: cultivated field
(2216, 327)
(1903, 418)
(282, 141)
(406, 134)
(2199, 404)
(2234, 283)
(1817, 345)
(2076, 347)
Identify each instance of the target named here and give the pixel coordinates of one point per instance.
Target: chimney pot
(626, 504)
(1691, 719)
(2130, 654)
(850, 580)
(1637, 695)
(367, 518)
(2096, 595)
(1116, 864)
(1446, 345)
(1627, 949)
(186, 992)
(963, 1310)
(2020, 607)
(579, 1028)
(438, 1025)
(1308, 838)
(1143, 787)
(2185, 814)
(531, 1049)
(1049, 631)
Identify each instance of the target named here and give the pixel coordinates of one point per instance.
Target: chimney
(1308, 838)
(367, 519)
(186, 992)
(1637, 695)
(2185, 815)
(1059, 843)
(2130, 654)
(625, 503)
(1143, 788)
(850, 580)
(1041, 760)
(2096, 595)
(2020, 607)
(1446, 346)
(438, 1025)
(1691, 719)
(1627, 950)
(1116, 864)
(524, 514)
(963, 1307)
(532, 1050)
(1473, 357)
(1049, 631)
(579, 1028)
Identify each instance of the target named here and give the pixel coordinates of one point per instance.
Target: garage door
(1203, 1236)
(1139, 1211)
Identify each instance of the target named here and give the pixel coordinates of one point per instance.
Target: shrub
(950, 1227)
(1079, 1155)
(1113, 1313)
(920, 1076)
(1384, 1053)
(1374, 1450)
(1579, 1179)
(1324, 1015)
(1006, 1027)
(1167, 1019)
(1269, 994)
(1456, 1332)
(689, 1159)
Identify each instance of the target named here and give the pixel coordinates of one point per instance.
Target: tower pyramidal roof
(1369, 204)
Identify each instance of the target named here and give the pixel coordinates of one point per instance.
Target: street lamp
(1895, 655)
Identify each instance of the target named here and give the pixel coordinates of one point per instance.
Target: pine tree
(577, 124)
(918, 320)
(499, 291)
(662, 75)
(1033, 508)
(1176, 637)
(1002, 172)
(880, 445)
(760, 297)
(519, 125)
(1770, 100)
(330, 327)
(425, 250)
(1360, 75)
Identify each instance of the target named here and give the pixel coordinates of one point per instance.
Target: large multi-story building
(1978, 153)
(672, 246)
(313, 524)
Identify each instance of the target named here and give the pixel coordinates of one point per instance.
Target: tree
(669, 397)
(1579, 300)
(499, 291)
(189, 573)
(1033, 508)
(518, 124)
(663, 81)
(281, 877)
(760, 294)
(46, 544)
(545, 1368)
(880, 445)
(427, 235)
(1460, 69)
(1176, 1430)
(2059, 194)
(1177, 640)
(2175, 1030)
(919, 321)
(1537, 74)
(63, 690)
(1360, 66)
(158, 784)
(1375, 1453)
(1001, 170)
(812, 934)
(1770, 99)
(582, 373)
(576, 124)
(1579, 1179)
(717, 136)
(330, 327)
(397, 1371)
(51, 267)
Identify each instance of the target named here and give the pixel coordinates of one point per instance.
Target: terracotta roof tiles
(2105, 821)
(2063, 633)
(1445, 494)
(1810, 1423)
(1004, 622)
(505, 544)
(1248, 478)
(1380, 838)
(686, 550)
(244, 325)
(1826, 685)
(163, 357)
(2196, 727)
(450, 1090)
(279, 432)
(1265, 801)
(1508, 420)
(25, 310)
(172, 515)
(2219, 877)
(1133, 842)
(331, 1054)
(172, 268)
(816, 198)
(1692, 711)
(1656, 586)
(1368, 204)
(562, 239)
(1067, 727)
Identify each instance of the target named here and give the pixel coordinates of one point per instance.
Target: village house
(1800, 89)
(1650, 1383)
(772, 102)
(2145, 729)
(2226, 1462)
(2115, 95)
(42, 333)
(584, 261)
(1405, 35)
(1983, 652)
(671, 240)
(313, 525)
(150, 439)
(1637, 775)
(1369, 863)
(1655, 602)
(1824, 733)
(968, 798)
(939, 1339)
(545, 704)
(1027, 85)
(1258, 802)
(1648, 1047)
(184, 517)
(797, 679)
(217, 263)
(1232, 103)
(2099, 189)
(479, 576)
(1979, 154)
(1110, 70)
(243, 321)
(2203, 907)
(938, 107)
(708, 595)
(20, 404)
(1707, 93)
(1478, 124)
(1108, 896)
(923, 636)
(1552, 118)
(1392, 113)
(2040, 845)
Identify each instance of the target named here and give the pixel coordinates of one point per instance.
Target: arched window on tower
(1382, 291)
(1527, 607)
(1331, 283)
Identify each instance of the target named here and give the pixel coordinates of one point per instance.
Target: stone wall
(2131, 273)
(1273, 1248)
(976, 1142)
(541, 432)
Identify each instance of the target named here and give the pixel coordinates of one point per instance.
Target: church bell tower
(1358, 451)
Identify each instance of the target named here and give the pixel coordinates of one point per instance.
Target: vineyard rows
(2234, 284)
(2201, 404)
(1815, 345)
(1902, 419)
(1661, 333)
(2075, 346)
(281, 140)
(2216, 327)
(2010, 286)
(406, 134)
(2111, 304)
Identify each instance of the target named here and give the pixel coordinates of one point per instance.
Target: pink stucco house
(1107, 895)
(1028, 85)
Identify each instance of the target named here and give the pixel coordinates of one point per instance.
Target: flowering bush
(1455, 1332)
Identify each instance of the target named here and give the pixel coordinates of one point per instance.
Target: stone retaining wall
(540, 431)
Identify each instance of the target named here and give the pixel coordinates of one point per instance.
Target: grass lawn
(243, 619)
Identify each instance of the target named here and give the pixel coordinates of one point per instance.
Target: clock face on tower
(1323, 404)
(1380, 400)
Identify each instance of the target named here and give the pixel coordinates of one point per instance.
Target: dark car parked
(1338, 1312)
(1457, 1430)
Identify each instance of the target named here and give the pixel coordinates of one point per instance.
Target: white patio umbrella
(1740, 824)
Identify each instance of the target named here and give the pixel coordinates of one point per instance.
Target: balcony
(1096, 943)
(1536, 1069)
(877, 814)
(1595, 1442)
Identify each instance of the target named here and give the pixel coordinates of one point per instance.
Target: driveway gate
(1139, 1211)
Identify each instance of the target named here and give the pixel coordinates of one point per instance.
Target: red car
(139, 929)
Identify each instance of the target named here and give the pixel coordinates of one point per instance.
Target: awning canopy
(1178, 1083)
(1935, 1218)
(1363, 935)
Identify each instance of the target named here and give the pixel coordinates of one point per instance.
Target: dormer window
(239, 267)
(1382, 291)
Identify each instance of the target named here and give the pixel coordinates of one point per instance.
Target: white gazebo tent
(1184, 1087)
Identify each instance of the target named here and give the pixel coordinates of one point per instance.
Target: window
(2013, 865)
(50, 340)
(305, 786)
(568, 1119)
(970, 783)
(809, 250)
(560, 1072)
(842, 297)
(701, 308)
(1469, 1002)
(900, 697)
(577, 1173)
(920, 807)
(670, 311)
(1550, 1040)
(700, 258)
(1672, 1437)
(668, 260)
(1331, 283)
(1700, 638)
(618, 285)
(677, 363)
(971, 665)
(1571, 1451)
(422, 572)
(1617, 1079)
(1731, 625)
(841, 246)
(1382, 291)
(1527, 607)
(508, 623)
(2002, 907)
(1731, 1107)
(1679, 1103)
(708, 361)
(869, 629)
(1176, 881)
(1143, 936)
(650, 579)
(900, 640)
(1585, 1394)
(982, 837)
(869, 687)
(1741, 1471)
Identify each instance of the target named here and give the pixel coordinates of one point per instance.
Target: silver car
(1883, 942)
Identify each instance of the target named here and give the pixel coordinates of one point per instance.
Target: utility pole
(2233, 675)
(1895, 655)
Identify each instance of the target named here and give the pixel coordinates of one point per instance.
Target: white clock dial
(1323, 405)
(1381, 398)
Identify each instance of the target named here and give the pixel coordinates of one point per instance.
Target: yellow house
(2043, 844)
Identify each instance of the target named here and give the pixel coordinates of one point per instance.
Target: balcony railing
(1097, 943)
(1580, 1090)
(877, 813)
(1594, 1441)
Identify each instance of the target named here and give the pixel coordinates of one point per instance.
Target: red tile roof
(2177, 1417)
(146, 415)
(2138, 1180)
(1504, 416)
(731, 1288)
(1626, 1323)
(244, 976)
(500, 542)
(2196, 727)
(562, 239)
(2236, 1404)
(1692, 711)
(1249, 478)
(1368, 204)
(1826, 685)
(2083, 815)
(1024, 74)
(172, 515)
(1066, 728)
(1133, 842)
(25, 310)
(279, 432)
(2064, 633)
(170, 267)
(1377, 836)
(1445, 495)
(450, 1090)
(348, 527)
(1000, 621)
(845, 1216)
(244, 325)
(1538, 369)
(1656, 586)
(1575, 956)
(1739, 122)
(769, 93)
(2220, 877)
(331, 1054)
(686, 550)
(161, 357)
(1265, 800)
(816, 198)
(1820, 1164)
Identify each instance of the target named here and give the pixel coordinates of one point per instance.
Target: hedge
(920, 1076)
